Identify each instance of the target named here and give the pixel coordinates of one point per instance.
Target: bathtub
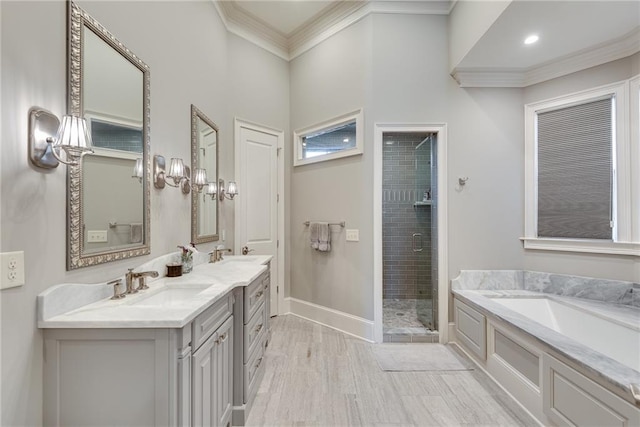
(566, 348)
(614, 339)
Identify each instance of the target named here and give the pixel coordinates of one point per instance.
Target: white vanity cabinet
(252, 317)
(142, 376)
(212, 369)
(171, 356)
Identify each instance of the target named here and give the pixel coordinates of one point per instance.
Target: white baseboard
(343, 322)
(452, 337)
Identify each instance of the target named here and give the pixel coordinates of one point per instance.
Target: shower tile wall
(406, 274)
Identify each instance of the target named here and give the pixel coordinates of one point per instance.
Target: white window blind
(575, 177)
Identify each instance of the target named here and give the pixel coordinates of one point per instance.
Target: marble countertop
(209, 282)
(598, 365)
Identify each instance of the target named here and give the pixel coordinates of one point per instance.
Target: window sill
(584, 246)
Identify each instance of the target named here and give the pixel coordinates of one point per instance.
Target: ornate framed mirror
(204, 154)
(108, 195)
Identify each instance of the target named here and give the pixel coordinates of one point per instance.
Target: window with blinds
(575, 171)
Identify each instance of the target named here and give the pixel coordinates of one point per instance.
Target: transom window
(333, 139)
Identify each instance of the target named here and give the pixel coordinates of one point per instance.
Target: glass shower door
(422, 245)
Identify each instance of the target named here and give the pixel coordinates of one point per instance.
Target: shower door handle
(417, 242)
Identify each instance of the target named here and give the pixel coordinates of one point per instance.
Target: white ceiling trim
(254, 30)
(622, 47)
(322, 29)
(327, 24)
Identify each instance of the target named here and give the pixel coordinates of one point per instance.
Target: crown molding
(619, 48)
(337, 20)
(331, 21)
(245, 25)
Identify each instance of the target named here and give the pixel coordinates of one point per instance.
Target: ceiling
(564, 27)
(573, 34)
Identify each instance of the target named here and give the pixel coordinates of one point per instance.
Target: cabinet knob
(221, 338)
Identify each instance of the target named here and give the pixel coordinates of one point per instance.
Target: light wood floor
(316, 376)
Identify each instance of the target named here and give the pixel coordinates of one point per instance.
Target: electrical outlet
(96, 236)
(353, 235)
(11, 270)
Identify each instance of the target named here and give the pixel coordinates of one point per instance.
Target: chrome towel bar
(341, 223)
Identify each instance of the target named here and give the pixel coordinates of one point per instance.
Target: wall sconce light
(138, 170)
(179, 175)
(230, 193)
(47, 137)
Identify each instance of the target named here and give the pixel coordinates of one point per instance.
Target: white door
(257, 202)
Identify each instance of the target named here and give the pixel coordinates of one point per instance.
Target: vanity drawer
(206, 323)
(253, 296)
(253, 371)
(253, 332)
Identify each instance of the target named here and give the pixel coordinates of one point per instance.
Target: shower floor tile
(401, 322)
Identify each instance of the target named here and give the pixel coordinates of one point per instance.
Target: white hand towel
(324, 237)
(313, 234)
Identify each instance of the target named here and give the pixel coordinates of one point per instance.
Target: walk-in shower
(409, 235)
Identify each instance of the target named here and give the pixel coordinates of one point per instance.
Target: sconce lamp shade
(232, 191)
(212, 189)
(72, 137)
(200, 178)
(138, 170)
(176, 170)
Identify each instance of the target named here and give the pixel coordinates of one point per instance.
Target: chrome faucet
(216, 254)
(131, 276)
(142, 279)
(246, 250)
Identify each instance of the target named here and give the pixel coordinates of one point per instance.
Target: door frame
(239, 123)
(443, 263)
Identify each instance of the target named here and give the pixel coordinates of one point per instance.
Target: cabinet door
(212, 378)
(224, 374)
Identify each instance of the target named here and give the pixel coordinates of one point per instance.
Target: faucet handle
(142, 283)
(116, 289)
(246, 250)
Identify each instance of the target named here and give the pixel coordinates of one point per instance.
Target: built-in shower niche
(407, 227)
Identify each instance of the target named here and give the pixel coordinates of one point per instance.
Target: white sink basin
(169, 297)
(242, 258)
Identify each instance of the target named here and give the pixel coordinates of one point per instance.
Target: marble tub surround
(610, 291)
(89, 306)
(612, 374)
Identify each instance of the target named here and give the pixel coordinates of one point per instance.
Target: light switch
(12, 269)
(97, 236)
(353, 235)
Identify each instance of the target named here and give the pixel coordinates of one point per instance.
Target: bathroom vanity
(187, 351)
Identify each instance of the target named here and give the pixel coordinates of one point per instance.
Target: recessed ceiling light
(531, 39)
(389, 142)
(345, 140)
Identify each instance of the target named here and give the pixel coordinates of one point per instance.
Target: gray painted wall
(332, 79)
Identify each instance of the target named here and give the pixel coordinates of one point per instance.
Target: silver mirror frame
(195, 160)
(77, 18)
